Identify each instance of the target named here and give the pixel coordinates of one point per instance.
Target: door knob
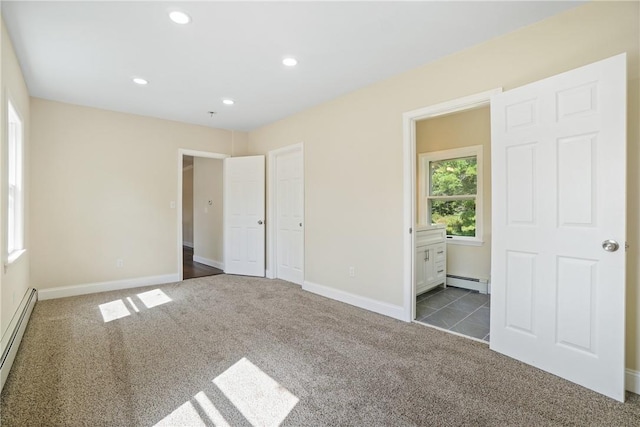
(610, 245)
(260, 222)
(300, 224)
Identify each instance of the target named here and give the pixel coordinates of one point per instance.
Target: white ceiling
(87, 52)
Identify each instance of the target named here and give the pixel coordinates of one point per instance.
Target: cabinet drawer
(427, 237)
(440, 270)
(440, 252)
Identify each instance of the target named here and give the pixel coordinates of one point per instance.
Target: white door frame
(272, 206)
(409, 120)
(181, 153)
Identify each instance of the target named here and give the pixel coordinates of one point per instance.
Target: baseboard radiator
(12, 337)
(474, 284)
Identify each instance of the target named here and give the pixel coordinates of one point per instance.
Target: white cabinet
(431, 258)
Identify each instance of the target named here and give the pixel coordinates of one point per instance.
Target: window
(15, 214)
(451, 192)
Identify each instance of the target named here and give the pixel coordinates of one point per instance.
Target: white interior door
(244, 215)
(290, 216)
(558, 174)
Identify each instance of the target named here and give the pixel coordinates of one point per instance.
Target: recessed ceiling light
(179, 17)
(140, 81)
(290, 62)
(228, 101)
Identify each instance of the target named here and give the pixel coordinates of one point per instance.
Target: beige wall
(187, 206)
(353, 146)
(240, 143)
(102, 184)
(207, 218)
(459, 130)
(14, 281)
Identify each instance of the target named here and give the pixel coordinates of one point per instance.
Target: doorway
(201, 217)
(425, 262)
(200, 214)
(453, 238)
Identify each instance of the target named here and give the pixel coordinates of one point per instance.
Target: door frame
(195, 153)
(409, 120)
(272, 207)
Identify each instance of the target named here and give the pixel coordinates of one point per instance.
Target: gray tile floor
(455, 309)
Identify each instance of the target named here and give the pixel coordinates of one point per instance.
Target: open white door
(558, 249)
(244, 215)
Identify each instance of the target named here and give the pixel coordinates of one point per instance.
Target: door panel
(558, 165)
(244, 215)
(290, 216)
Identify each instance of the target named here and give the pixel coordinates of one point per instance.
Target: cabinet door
(428, 256)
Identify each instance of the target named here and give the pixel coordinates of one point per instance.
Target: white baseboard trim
(209, 262)
(480, 286)
(632, 381)
(92, 288)
(395, 311)
(270, 274)
(188, 244)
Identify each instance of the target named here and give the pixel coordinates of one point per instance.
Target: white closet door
(290, 217)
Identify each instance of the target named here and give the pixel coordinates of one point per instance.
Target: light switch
(172, 205)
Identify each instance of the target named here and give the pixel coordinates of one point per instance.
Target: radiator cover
(13, 336)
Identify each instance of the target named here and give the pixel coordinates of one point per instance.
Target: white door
(290, 216)
(558, 174)
(244, 215)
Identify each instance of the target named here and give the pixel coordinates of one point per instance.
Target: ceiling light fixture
(179, 17)
(228, 101)
(140, 81)
(290, 62)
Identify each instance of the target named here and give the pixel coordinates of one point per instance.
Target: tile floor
(455, 309)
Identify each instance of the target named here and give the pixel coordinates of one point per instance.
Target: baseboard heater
(480, 285)
(12, 337)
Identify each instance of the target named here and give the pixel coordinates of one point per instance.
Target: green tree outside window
(452, 194)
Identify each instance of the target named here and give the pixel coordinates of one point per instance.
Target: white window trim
(423, 174)
(13, 114)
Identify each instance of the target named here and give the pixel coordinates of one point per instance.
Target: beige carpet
(239, 351)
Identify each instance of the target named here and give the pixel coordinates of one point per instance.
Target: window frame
(15, 183)
(424, 186)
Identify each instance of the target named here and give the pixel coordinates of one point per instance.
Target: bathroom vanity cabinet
(431, 257)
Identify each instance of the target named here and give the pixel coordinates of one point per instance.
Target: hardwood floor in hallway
(192, 269)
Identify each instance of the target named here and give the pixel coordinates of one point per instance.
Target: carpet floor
(228, 350)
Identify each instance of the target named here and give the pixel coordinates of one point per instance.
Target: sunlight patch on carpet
(113, 310)
(154, 298)
(212, 412)
(135, 308)
(258, 397)
(185, 415)
(188, 415)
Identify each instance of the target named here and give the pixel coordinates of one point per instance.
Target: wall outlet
(119, 263)
(352, 272)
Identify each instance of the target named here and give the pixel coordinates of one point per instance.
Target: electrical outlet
(119, 263)
(352, 272)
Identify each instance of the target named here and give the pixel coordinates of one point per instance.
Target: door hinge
(410, 230)
(626, 246)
